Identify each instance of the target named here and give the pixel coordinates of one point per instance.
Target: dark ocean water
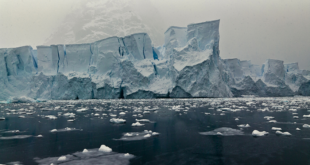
(179, 123)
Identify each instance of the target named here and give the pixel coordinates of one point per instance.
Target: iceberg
(130, 67)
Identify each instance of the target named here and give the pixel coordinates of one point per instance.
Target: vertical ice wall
(47, 60)
(175, 37)
(206, 33)
(106, 54)
(78, 57)
(273, 72)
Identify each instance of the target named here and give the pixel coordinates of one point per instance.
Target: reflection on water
(170, 131)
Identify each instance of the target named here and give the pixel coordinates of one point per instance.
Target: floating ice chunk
(306, 126)
(54, 130)
(293, 110)
(155, 133)
(143, 120)
(96, 114)
(117, 120)
(67, 129)
(15, 137)
(62, 158)
(268, 117)
(127, 155)
(85, 150)
(207, 113)
(128, 134)
(136, 124)
(258, 133)
(21, 116)
(22, 99)
(93, 156)
(223, 131)
(52, 117)
(272, 121)
(40, 136)
(105, 148)
(283, 133)
(222, 114)
(243, 125)
(71, 120)
(2, 118)
(276, 129)
(147, 135)
(70, 115)
(146, 112)
(122, 113)
(82, 109)
(236, 119)
(297, 129)
(306, 116)
(263, 110)
(137, 135)
(295, 117)
(225, 109)
(112, 115)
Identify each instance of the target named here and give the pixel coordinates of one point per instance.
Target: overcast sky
(249, 30)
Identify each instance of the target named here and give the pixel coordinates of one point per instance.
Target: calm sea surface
(190, 131)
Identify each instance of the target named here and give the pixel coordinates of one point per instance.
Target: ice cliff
(130, 67)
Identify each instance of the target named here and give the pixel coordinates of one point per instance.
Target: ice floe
(82, 109)
(62, 158)
(276, 129)
(258, 133)
(52, 117)
(67, 129)
(136, 124)
(306, 126)
(243, 125)
(132, 136)
(117, 120)
(15, 137)
(92, 156)
(105, 148)
(283, 133)
(223, 131)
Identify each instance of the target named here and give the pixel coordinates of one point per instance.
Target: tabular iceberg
(187, 65)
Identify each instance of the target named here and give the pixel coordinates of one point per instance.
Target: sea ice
(105, 148)
(62, 158)
(143, 120)
(132, 136)
(136, 124)
(52, 117)
(306, 126)
(268, 117)
(117, 120)
(283, 133)
(147, 135)
(243, 125)
(15, 137)
(276, 129)
(223, 131)
(82, 109)
(258, 133)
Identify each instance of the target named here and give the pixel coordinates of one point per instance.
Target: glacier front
(187, 65)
